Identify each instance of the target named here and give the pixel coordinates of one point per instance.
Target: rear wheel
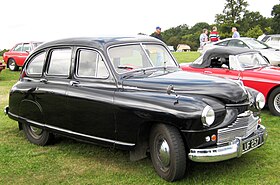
(168, 152)
(37, 135)
(274, 102)
(12, 65)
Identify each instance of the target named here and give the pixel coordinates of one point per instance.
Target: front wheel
(274, 102)
(37, 135)
(168, 152)
(12, 65)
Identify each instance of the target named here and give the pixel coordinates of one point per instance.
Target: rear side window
(26, 47)
(60, 60)
(91, 64)
(35, 66)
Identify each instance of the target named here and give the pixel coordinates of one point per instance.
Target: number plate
(253, 143)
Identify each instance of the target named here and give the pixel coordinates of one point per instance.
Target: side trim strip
(73, 133)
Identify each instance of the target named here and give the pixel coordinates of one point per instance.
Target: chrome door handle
(43, 80)
(74, 83)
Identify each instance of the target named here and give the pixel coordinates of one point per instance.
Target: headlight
(208, 116)
(260, 101)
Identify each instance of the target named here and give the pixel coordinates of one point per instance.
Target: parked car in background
(130, 93)
(271, 54)
(15, 57)
(245, 64)
(272, 40)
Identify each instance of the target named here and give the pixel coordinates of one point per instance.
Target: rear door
(51, 92)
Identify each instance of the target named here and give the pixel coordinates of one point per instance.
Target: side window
(18, 48)
(222, 43)
(26, 47)
(237, 43)
(35, 66)
(60, 60)
(90, 64)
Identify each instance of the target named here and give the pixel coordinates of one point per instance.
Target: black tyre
(168, 152)
(274, 102)
(36, 135)
(13, 65)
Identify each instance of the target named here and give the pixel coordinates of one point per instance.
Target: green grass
(72, 162)
(183, 57)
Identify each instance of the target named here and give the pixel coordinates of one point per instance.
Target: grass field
(72, 162)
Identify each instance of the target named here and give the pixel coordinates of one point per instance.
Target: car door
(51, 92)
(90, 97)
(17, 54)
(219, 66)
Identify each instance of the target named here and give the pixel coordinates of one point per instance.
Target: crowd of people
(214, 36)
(203, 38)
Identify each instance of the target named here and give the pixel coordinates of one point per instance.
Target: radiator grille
(244, 126)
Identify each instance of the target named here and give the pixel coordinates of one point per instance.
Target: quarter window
(35, 66)
(26, 47)
(91, 64)
(60, 61)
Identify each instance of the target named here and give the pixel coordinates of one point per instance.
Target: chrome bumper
(6, 110)
(232, 150)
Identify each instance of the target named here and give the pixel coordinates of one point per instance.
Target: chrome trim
(229, 151)
(245, 124)
(72, 132)
(6, 110)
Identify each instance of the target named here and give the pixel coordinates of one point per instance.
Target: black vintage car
(130, 93)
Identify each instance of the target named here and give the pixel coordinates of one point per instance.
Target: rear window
(35, 66)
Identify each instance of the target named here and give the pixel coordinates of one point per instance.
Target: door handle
(43, 80)
(207, 72)
(74, 83)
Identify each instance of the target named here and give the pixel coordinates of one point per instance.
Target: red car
(15, 58)
(245, 64)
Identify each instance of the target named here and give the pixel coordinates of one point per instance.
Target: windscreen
(136, 56)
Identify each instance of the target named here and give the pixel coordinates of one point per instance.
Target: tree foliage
(235, 14)
(276, 18)
(3, 51)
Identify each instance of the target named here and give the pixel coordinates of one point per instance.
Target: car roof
(97, 42)
(222, 52)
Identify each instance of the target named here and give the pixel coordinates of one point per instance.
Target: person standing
(235, 33)
(157, 33)
(214, 35)
(203, 38)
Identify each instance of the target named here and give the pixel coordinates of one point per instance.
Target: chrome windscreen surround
(245, 124)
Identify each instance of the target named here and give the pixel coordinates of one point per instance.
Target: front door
(90, 98)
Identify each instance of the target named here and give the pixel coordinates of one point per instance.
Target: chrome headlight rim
(207, 116)
(260, 101)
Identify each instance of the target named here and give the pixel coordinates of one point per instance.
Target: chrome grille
(244, 126)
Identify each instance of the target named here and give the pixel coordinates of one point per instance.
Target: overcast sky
(38, 20)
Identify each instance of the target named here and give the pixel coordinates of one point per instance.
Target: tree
(254, 32)
(232, 13)
(3, 51)
(276, 18)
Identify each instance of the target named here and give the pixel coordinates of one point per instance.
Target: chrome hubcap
(36, 132)
(163, 152)
(277, 102)
(12, 65)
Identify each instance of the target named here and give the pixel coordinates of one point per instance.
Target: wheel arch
(143, 137)
(31, 111)
(270, 91)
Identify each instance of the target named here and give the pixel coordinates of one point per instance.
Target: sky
(33, 20)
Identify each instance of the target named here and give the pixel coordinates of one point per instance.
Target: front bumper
(229, 151)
